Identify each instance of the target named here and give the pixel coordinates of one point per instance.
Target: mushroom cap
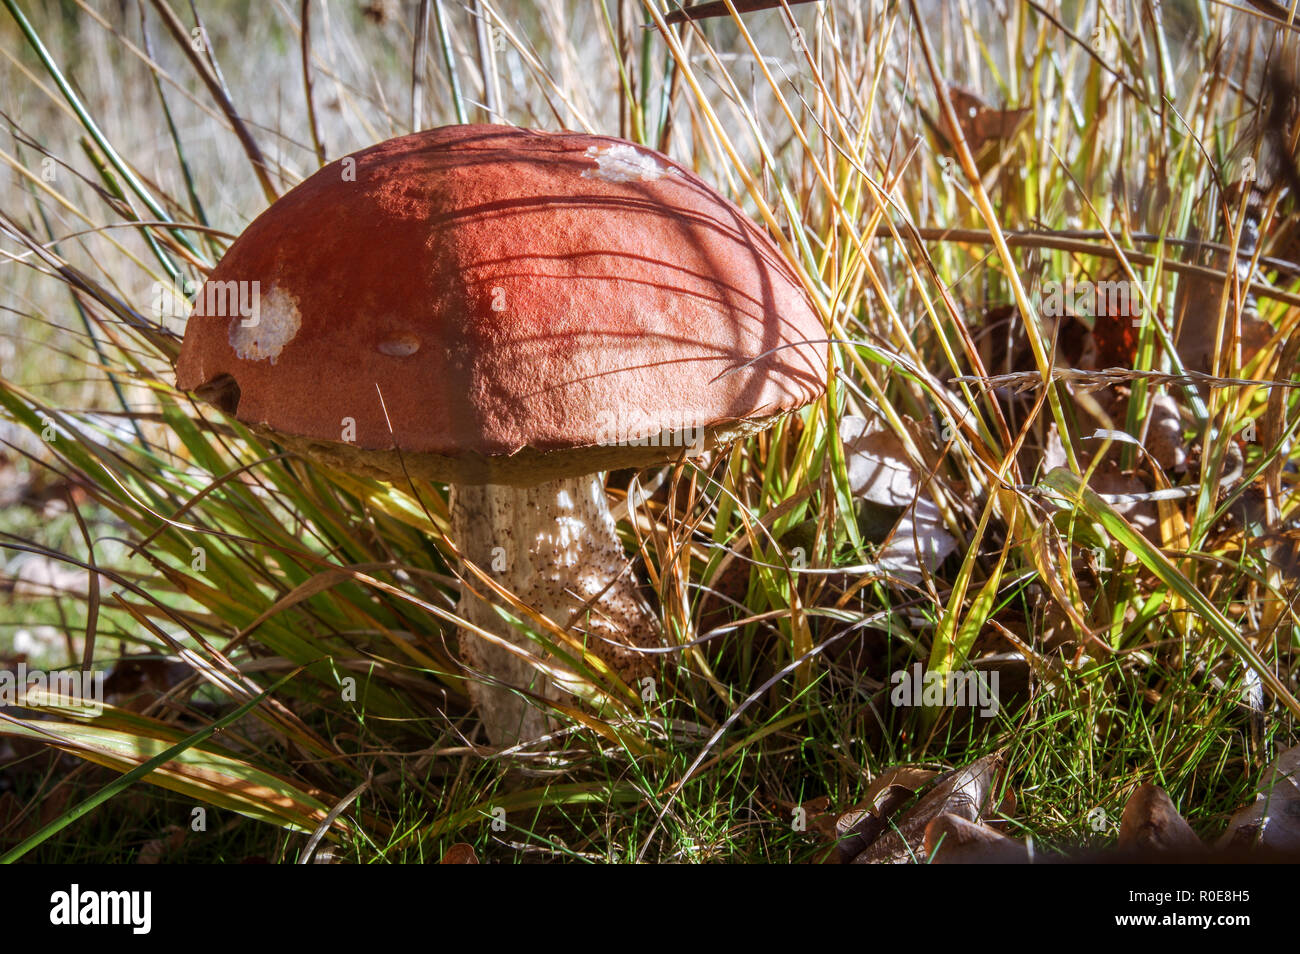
(487, 304)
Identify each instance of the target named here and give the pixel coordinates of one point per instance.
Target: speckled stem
(554, 546)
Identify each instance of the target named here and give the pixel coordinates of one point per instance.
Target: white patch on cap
(624, 163)
(274, 323)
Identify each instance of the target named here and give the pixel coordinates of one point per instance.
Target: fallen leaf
(1151, 823)
(966, 793)
(1115, 336)
(952, 840)
(136, 681)
(1125, 493)
(1199, 300)
(857, 828)
(459, 854)
(981, 123)
(1273, 819)
(919, 540)
(877, 462)
(1165, 434)
(156, 849)
(1107, 479)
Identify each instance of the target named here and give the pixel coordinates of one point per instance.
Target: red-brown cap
(505, 306)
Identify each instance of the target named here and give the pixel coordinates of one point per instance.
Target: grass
(1131, 631)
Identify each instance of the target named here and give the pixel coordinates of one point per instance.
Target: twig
(251, 149)
(417, 65)
(1025, 380)
(306, 82)
(1056, 240)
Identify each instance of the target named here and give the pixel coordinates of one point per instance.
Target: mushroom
(514, 313)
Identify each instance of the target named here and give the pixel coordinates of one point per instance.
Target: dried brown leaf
(952, 840)
(460, 854)
(1150, 823)
(966, 793)
(1273, 819)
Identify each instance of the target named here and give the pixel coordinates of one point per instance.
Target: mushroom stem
(554, 546)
